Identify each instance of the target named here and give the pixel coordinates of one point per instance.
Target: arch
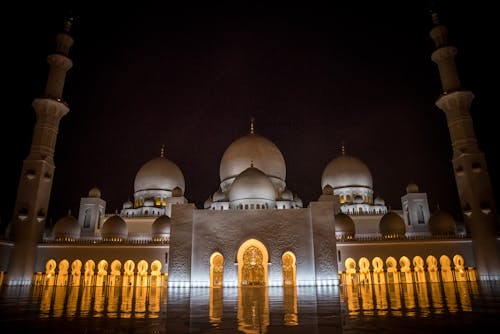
(62, 273)
(115, 277)
(142, 273)
(252, 260)
(378, 270)
(392, 270)
(446, 274)
(156, 273)
(76, 272)
(432, 268)
(350, 271)
(89, 273)
(128, 273)
(102, 273)
(405, 264)
(418, 268)
(364, 271)
(460, 274)
(289, 269)
(216, 270)
(50, 272)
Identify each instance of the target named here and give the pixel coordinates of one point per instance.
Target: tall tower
(469, 164)
(35, 184)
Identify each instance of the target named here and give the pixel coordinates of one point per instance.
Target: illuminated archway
(252, 263)
(216, 270)
(289, 269)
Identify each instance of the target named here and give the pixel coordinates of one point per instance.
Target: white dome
(149, 203)
(67, 227)
(346, 171)
(161, 226)
(159, 174)
(252, 148)
(379, 201)
(219, 196)
(392, 224)
(114, 227)
(95, 192)
(252, 183)
(128, 205)
(287, 195)
(412, 188)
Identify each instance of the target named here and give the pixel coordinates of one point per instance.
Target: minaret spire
(162, 151)
(342, 147)
(35, 184)
(469, 164)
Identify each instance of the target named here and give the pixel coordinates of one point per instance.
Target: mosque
(253, 230)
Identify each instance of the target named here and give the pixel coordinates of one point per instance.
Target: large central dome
(346, 171)
(159, 174)
(254, 149)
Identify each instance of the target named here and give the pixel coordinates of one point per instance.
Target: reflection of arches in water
(216, 270)
(216, 310)
(289, 269)
(290, 317)
(253, 309)
(252, 263)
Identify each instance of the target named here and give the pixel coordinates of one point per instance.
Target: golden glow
(216, 270)
(253, 309)
(252, 263)
(290, 317)
(289, 269)
(216, 310)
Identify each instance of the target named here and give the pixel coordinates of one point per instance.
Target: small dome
(219, 196)
(149, 203)
(208, 203)
(95, 192)
(67, 227)
(252, 183)
(392, 224)
(161, 227)
(344, 224)
(287, 195)
(379, 201)
(298, 201)
(264, 153)
(412, 188)
(346, 171)
(159, 174)
(177, 192)
(128, 205)
(327, 190)
(114, 227)
(441, 223)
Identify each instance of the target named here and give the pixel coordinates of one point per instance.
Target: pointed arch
(252, 260)
(216, 270)
(289, 269)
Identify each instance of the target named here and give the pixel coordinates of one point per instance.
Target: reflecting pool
(368, 308)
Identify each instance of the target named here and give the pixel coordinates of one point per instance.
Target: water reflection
(252, 309)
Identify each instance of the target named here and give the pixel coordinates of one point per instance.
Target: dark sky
(191, 78)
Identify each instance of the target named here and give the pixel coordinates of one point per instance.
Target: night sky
(191, 78)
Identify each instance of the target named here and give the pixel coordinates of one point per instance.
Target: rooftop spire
(162, 151)
(251, 125)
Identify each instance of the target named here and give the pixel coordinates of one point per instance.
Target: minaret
(35, 184)
(469, 164)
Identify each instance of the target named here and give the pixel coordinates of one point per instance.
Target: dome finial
(162, 151)
(251, 163)
(252, 119)
(434, 13)
(68, 22)
(343, 148)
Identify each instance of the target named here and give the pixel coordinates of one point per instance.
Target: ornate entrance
(252, 264)
(216, 270)
(288, 269)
